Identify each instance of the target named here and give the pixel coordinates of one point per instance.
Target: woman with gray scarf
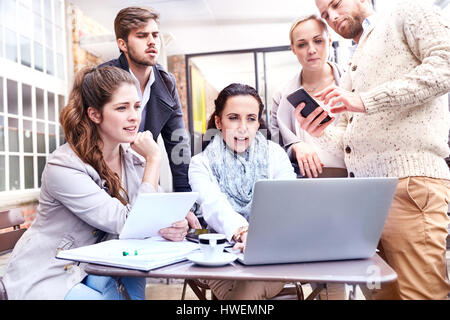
(225, 172)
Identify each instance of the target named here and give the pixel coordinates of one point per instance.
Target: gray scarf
(237, 173)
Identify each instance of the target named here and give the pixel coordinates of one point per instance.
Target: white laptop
(316, 219)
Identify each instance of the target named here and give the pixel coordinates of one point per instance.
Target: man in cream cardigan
(395, 123)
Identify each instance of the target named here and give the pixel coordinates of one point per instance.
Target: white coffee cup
(212, 245)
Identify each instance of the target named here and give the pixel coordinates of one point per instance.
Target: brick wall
(177, 66)
(83, 25)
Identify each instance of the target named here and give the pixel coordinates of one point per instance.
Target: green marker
(126, 253)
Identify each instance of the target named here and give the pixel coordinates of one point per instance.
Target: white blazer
(216, 209)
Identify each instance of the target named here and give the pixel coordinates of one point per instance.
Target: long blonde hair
(93, 87)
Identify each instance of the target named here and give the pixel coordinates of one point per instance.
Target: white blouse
(216, 209)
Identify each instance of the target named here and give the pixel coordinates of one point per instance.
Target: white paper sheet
(154, 211)
(152, 253)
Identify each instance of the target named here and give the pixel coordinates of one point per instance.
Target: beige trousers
(336, 291)
(262, 290)
(413, 241)
(244, 290)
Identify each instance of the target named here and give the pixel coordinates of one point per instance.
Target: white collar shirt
(145, 96)
(369, 21)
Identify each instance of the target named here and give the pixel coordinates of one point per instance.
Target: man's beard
(149, 62)
(353, 28)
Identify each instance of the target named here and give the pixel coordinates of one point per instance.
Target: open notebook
(150, 213)
(152, 253)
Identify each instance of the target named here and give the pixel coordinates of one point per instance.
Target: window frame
(35, 79)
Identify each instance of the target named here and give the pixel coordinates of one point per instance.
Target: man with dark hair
(138, 39)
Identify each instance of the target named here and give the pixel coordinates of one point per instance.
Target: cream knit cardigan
(401, 69)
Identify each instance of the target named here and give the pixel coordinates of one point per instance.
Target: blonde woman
(310, 42)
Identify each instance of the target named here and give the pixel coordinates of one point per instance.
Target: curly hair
(93, 87)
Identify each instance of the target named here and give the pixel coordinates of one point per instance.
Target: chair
(199, 288)
(11, 218)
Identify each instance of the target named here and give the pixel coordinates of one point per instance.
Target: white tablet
(154, 211)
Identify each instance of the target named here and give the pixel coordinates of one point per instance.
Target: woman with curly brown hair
(88, 187)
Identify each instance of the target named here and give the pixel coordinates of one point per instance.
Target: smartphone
(310, 104)
(193, 234)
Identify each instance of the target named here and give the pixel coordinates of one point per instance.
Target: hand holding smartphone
(193, 234)
(301, 95)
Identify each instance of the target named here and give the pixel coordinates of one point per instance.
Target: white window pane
(38, 57)
(13, 132)
(26, 101)
(11, 45)
(2, 173)
(1, 41)
(14, 173)
(51, 106)
(40, 137)
(38, 30)
(48, 34)
(60, 66)
(37, 6)
(59, 39)
(62, 140)
(61, 104)
(41, 166)
(27, 3)
(58, 13)
(10, 13)
(25, 51)
(11, 89)
(29, 172)
(1, 94)
(49, 59)
(1, 13)
(51, 137)
(2, 134)
(40, 113)
(27, 136)
(26, 23)
(48, 10)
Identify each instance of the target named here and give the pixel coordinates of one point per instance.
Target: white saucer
(224, 258)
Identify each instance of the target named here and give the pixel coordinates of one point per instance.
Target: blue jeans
(105, 288)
